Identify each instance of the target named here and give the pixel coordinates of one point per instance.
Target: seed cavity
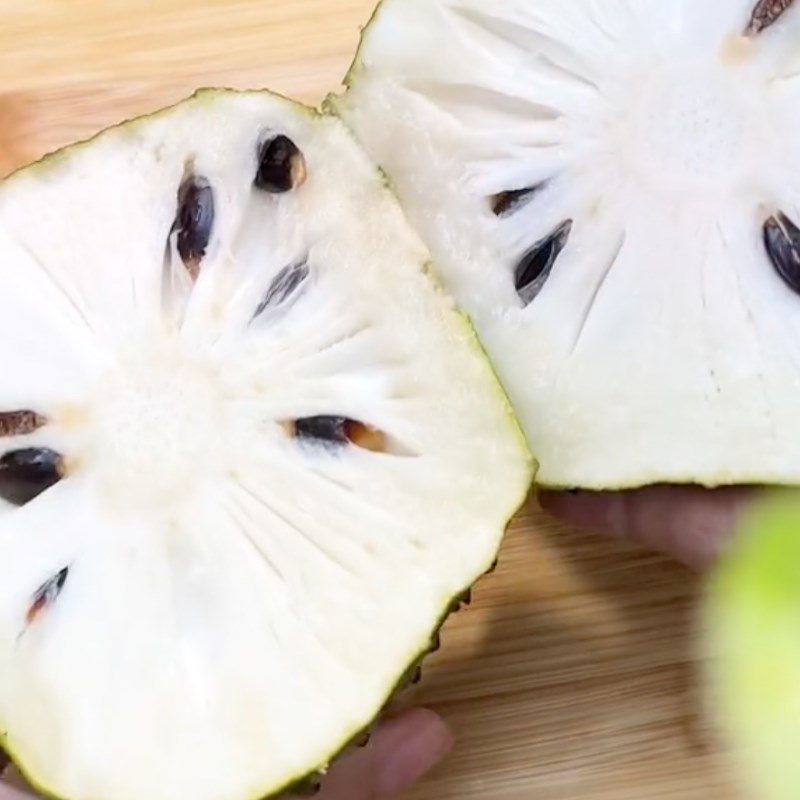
(535, 267)
(506, 203)
(281, 166)
(194, 222)
(20, 423)
(766, 14)
(338, 431)
(27, 473)
(46, 595)
(335, 432)
(287, 283)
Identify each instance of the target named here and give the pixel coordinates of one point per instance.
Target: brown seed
(281, 166)
(366, 437)
(333, 430)
(507, 203)
(766, 14)
(194, 222)
(20, 423)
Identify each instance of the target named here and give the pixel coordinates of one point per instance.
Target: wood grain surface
(573, 674)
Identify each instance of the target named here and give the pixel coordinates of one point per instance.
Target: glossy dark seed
(25, 474)
(281, 166)
(766, 14)
(46, 595)
(536, 265)
(20, 423)
(507, 203)
(782, 240)
(286, 283)
(194, 222)
(338, 431)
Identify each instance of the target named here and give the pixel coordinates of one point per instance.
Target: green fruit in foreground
(753, 635)
(249, 454)
(611, 191)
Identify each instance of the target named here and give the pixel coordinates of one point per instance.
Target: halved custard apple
(249, 454)
(611, 189)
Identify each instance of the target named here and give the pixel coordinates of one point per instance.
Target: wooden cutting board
(572, 676)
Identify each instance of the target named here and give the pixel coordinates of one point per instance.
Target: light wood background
(572, 676)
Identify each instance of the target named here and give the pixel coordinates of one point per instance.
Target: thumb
(399, 754)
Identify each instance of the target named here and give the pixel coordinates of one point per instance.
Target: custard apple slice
(249, 454)
(612, 191)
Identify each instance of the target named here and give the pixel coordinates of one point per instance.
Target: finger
(7, 793)
(399, 754)
(687, 523)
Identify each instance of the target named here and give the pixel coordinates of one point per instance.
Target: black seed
(507, 203)
(338, 431)
(20, 423)
(782, 240)
(285, 284)
(536, 265)
(46, 595)
(281, 166)
(194, 222)
(25, 474)
(766, 14)
(332, 430)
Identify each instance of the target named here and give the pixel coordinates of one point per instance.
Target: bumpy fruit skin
(752, 630)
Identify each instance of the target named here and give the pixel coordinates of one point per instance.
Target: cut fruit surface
(249, 454)
(612, 192)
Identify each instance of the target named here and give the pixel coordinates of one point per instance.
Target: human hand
(688, 523)
(400, 752)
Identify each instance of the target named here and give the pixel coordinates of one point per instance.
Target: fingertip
(410, 745)
(402, 750)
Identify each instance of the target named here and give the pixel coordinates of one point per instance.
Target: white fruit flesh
(664, 346)
(239, 601)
